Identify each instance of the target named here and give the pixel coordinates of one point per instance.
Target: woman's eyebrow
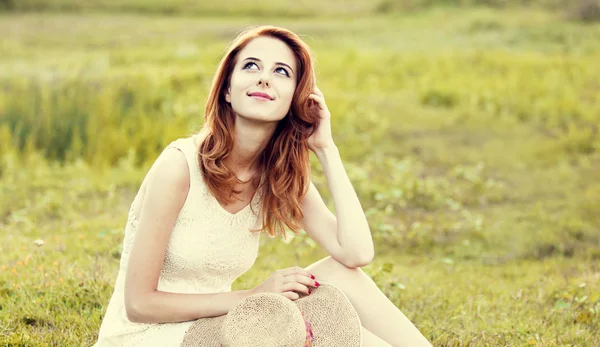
(277, 63)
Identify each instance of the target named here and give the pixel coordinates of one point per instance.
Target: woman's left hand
(321, 138)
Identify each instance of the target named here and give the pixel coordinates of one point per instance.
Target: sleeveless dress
(209, 248)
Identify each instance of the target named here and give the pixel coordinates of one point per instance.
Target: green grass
(263, 8)
(470, 135)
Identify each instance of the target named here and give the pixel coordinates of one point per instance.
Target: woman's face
(266, 66)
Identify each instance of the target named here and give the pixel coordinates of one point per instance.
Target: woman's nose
(263, 80)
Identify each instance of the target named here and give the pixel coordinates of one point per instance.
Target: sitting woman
(194, 225)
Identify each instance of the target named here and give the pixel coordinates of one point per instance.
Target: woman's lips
(260, 98)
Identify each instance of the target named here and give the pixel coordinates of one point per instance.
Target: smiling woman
(276, 81)
(194, 226)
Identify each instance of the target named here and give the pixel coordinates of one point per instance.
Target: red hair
(285, 160)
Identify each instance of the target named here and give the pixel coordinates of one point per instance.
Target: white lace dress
(209, 248)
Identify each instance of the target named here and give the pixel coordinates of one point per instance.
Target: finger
(291, 295)
(296, 270)
(302, 279)
(302, 271)
(319, 100)
(316, 96)
(318, 91)
(295, 286)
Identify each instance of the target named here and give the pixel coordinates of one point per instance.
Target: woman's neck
(249, 141)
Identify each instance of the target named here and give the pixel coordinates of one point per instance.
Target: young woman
(194, 225)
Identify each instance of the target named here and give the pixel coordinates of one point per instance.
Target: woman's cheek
(289, 94)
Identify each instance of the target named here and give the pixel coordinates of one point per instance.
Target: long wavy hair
(284, 163)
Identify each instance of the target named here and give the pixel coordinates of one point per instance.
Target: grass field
(470, 135)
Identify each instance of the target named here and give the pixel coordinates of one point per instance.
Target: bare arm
(345, 236)
(353, 230)
(165, 194)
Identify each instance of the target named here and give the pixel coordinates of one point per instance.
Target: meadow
(470, 133)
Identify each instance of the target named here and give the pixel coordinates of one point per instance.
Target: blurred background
(469, 129)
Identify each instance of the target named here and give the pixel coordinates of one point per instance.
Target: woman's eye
(284, 71)
(247, 65)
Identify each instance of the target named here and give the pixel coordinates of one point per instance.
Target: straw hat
(324, 318)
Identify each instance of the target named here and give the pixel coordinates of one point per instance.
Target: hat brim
(204, 332)
(333, 320)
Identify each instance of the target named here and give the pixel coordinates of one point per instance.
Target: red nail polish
(308, 291)
(313, 277)
(317, 283)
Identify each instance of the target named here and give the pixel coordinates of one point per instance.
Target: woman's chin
(260, 118)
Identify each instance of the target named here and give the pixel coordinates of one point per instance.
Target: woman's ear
(228, 95)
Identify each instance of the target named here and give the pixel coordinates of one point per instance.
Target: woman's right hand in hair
(288, 282)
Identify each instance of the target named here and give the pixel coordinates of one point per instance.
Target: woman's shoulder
(169, 173)
(171, 166)
(188, 145)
